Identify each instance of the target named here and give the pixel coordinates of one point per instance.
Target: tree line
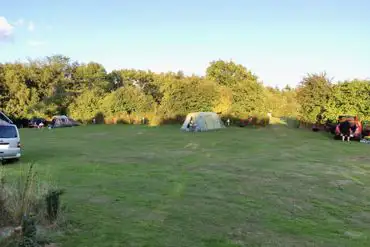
(57, 85)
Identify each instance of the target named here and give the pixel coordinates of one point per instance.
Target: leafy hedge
(56, 85)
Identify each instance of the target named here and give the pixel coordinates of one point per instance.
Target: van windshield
(8, 132)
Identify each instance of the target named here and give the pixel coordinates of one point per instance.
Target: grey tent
(202, 121)
(63, 121)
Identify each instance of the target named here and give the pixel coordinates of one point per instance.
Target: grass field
(159, 187)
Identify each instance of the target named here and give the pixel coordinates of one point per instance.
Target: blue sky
(280, 41)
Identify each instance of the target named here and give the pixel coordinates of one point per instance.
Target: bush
(126, 102)
(25, 207)
(292, 122)
(259, 120)
(154, 119)
(87, 105)
(133, 118)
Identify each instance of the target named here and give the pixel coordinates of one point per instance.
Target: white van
(10, 143)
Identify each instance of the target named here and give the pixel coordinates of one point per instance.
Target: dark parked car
(35, 122)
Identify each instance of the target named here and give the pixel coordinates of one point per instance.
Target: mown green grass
(157, 187)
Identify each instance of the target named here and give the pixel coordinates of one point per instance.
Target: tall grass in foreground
(26, 204)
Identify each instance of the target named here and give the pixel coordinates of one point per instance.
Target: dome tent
(202, 121)
(63, 121)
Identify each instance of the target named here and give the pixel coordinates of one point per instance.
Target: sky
(280, 41)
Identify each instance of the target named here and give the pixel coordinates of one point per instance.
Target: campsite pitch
(157, 187)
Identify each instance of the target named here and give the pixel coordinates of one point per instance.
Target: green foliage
(145, 80)
(188, 95)
(29, 231)
(313, 93)
(350, 97)
(228, 73)
(56, 85)
(281, 102)
(224, 100)
(87, 105)
(4, 92)
(248, 98)
(290, 106)
(127, 99)
(53, 204)
(320, 100)
(89, 76)
(20, 96)
(24, 209)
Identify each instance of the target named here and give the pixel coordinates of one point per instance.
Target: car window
(8, 132)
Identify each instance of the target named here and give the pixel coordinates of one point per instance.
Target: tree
(350, 97)
(193, 94)
(248, 98)
(90, 76)
(291, 106)
(87, 105)
(274, 101)
(313, 94)
(287, 88)
(228, 73)
(144, 80)
(4, 93)
(20, 97)
(282, 103)
(224, 100)
(247, 92)
(57, 85)
(127, 99)
(53, 80)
